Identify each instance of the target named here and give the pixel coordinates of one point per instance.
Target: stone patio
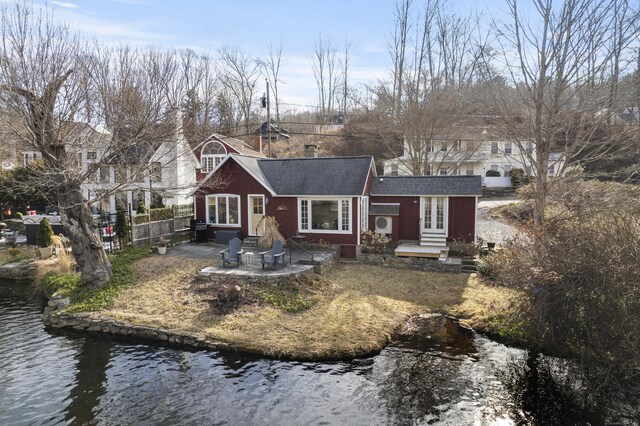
(296, 262)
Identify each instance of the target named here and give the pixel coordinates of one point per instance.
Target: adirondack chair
(233, 253)
(273, 256)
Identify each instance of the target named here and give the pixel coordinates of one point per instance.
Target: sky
(207, 25)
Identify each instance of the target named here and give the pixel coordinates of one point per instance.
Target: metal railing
(258, 225)
(294, 245)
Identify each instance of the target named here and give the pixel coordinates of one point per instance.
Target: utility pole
(268, 121)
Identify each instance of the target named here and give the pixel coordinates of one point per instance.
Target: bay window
(324, 215)
(223, 209)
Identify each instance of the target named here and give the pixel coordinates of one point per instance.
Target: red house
(333, 199)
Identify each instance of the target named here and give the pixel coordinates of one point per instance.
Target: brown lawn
(354, 309)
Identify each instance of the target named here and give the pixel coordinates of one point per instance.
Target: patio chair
(233, 253)
(273, 256)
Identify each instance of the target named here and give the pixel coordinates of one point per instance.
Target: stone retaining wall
(94, 322)
(422, 264)
(19, 271)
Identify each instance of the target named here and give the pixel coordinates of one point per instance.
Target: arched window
(212, 155)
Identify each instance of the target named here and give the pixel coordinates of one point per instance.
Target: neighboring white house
(472, 151)
(156, 174)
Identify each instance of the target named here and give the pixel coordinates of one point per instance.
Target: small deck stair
(250, 241)
(431, 245)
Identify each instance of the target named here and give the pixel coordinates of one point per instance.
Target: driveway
(491, 229)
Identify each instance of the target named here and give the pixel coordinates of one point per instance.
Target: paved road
(491, 229)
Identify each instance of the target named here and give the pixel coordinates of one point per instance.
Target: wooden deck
(415, 250)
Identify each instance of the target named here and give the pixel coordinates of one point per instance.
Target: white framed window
(552, 170)
(394, 170)
(507, 148)
(364, 213)
(457, 145)
(529, 146)
(443, 147)
(211, 155)
(469, 170)
(156, 172)
(29, 157)
(429, 170)
(471, 146)
(443, 171)
(223, 209)
(494, 147)
(104, 173)
(431, 148)
(324, 215)
(494, 167)
(507, 170)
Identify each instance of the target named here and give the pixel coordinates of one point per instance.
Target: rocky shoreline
(55, 317)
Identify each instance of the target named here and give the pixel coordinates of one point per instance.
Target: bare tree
(70, 99)
(433, 74)
(344, 67)
(238, 74)
(324, 63)
(271, 68)
(566, 60)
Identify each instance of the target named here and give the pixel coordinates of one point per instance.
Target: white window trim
(364, 213)
(446, 215)
(233, 225)
(217, 158)
(252, 229)
(310, 215)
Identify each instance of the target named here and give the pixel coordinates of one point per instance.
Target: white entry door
(434, 215)
(256, 213)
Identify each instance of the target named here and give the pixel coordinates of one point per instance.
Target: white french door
(434, 215)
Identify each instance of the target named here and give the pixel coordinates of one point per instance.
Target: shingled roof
(427, 185)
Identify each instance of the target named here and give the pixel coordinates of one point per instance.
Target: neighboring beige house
(472, 151)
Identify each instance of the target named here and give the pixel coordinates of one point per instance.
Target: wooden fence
(170, 223)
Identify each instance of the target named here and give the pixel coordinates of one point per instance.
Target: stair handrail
(260, 223)
(293, 244)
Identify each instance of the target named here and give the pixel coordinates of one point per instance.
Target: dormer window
(212, 155)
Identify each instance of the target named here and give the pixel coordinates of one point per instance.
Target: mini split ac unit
(383, 224)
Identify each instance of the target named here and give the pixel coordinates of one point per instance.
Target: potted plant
(45, 238)
(162, 246)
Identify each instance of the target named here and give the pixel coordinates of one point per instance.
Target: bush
(45, 233)
(141, 208)
(518, 178)
(492, 173)
(581, 284)
(122, 227)
(160, 214)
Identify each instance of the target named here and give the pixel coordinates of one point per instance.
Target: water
(443, 375)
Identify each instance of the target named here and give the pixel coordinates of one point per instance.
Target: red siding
(406, 226)
(462, 217)
(288, 220)
(239, 183)
(284, 209)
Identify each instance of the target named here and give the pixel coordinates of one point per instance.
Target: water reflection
(91, 375)
(436, 372)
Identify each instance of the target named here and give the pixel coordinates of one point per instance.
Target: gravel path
(490, 229)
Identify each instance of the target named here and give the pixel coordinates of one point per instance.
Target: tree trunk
(86, 246)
